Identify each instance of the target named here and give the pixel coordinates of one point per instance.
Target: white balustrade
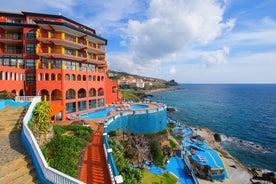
(51, 174)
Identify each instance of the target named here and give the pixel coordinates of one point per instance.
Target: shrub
(64, 150)
(129, 174)
(157, 155)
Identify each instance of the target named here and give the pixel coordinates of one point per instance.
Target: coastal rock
(172, 83)
(171, 109)
(217, 137)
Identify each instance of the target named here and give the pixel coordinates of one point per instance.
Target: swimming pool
(101, 113)
(138, 106)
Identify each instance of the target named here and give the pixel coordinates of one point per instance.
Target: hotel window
(100, 102)
(30, 64)
(73, 77)
(92, 104)
(13, 62)
(70, 94)
(70, 37)
(21, 63)
(67, 77)
(15, 36)
(30, 48)
(51, 63)
(53, 77)
(81, 105)
(13, 50)
(33, 92)
(91, 68)
(58, 64)
(30, 79)
(31, 35)
(70, 52)
(17, 21)
(70, 107)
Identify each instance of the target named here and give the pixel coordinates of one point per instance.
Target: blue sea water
(245, 114)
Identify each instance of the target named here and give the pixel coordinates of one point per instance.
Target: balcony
(63, 53)
(93, 48)
(13, 51)
(62, 39)
(95, 60)
(11, 38)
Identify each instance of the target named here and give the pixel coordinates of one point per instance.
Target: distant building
(57, 58)
(133, 82)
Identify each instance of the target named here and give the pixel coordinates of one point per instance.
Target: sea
(244, 115)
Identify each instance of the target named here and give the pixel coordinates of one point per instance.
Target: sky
(191, 41)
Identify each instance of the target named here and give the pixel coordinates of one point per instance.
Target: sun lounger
(73, 117)
(69, 117)
(201, 159)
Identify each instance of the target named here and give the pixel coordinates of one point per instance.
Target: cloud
(172, 70)
(109, 17)
(173, 25)
(215, 58)
(48, 6)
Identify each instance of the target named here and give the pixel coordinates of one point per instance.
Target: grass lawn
(150, 178)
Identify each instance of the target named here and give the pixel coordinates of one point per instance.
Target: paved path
(11, 146)
(94, 168)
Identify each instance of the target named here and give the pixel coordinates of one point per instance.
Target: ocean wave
(246, 145)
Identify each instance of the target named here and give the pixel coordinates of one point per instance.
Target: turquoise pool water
(138, 106)
(12, 103)
(101, 113)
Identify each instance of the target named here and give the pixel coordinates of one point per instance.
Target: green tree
(156, 151)
(41, 123)
(130, 175)
(41, 116)
(6, 95)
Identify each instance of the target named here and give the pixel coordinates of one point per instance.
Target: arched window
(56, 95)
(84, 77)
(114, 89)
(67, 77)
(98, 78)
(92, 92)
(1, 75)
(90, 78)
(44, 94)
(46, 76)
(70, 94)
(73, 77)
(14, 92)
(100, 92)
(22, 92)
(94, 78)
(79, 78)
(59, 76)
(40, 76)
(102, 78)
(53, 77)
(81, 93)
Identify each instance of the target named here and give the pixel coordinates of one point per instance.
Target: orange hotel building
(57, 58)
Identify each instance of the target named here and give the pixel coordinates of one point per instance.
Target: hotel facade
(57, 58)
